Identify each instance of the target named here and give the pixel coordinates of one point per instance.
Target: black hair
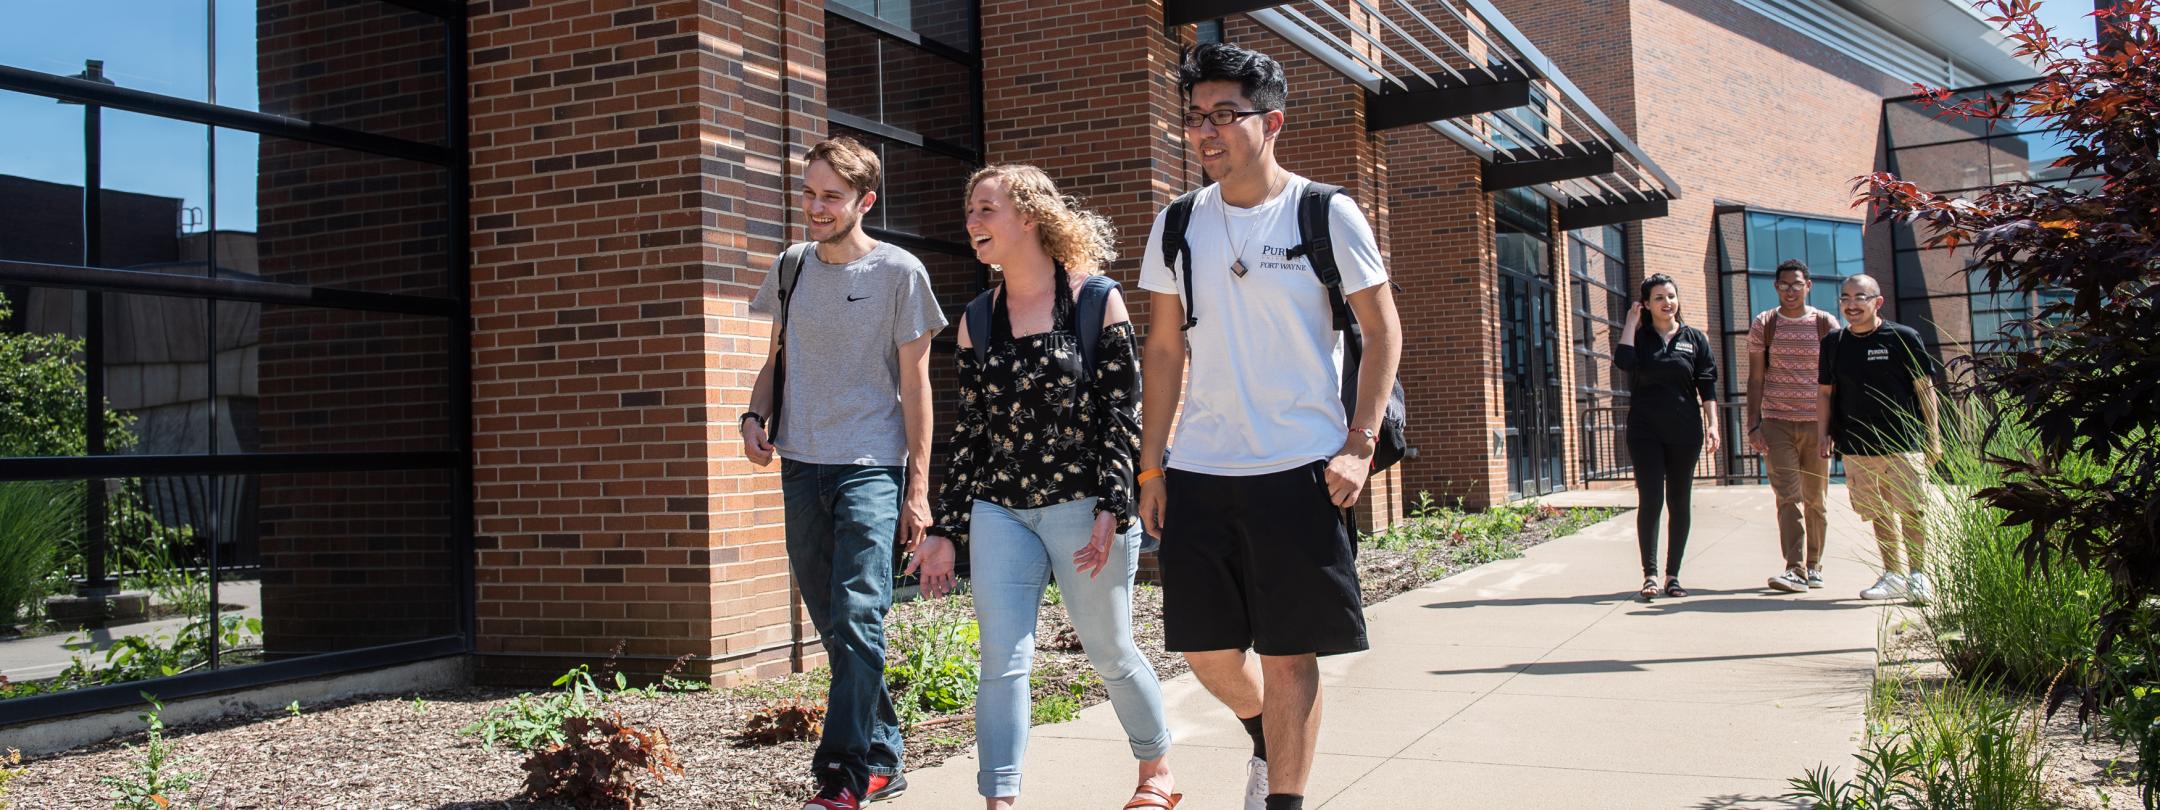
(1655, 281)
(1790, 266)
(1259, 77)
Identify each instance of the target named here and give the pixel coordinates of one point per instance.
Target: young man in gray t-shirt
(854, 436)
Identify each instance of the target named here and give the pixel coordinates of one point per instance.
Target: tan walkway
(1541, 683)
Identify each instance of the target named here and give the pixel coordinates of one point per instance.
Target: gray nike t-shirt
(847, 323)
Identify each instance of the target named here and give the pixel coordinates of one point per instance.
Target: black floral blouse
(1035, 429)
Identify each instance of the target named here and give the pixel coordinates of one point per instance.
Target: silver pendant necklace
(1237, 259)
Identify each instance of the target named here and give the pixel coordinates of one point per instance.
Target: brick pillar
(629, 189)
(1451, 318)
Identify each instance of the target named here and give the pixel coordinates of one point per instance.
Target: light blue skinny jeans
(1013, 553)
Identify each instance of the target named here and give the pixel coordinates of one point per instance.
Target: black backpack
(1087, 317)
(1389, 444)
(791, 263)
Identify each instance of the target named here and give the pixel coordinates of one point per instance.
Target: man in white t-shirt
(1256, 553)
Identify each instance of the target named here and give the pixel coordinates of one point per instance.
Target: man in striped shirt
(1784, 350)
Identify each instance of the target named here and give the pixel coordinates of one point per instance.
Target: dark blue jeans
(840, 524)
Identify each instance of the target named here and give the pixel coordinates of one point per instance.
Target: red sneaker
(884, 787)
(834, 797)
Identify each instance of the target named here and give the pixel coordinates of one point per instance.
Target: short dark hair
(1791, 266)
(1655, 281)
(1259, 77)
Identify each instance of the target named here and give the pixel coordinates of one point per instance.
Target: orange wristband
(1147, 475)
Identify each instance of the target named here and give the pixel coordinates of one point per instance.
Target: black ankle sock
(1259, 739)
(1285, 801)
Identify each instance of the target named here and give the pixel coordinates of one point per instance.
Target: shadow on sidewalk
(1707, 600)
(1732, 800)
(1610, 665)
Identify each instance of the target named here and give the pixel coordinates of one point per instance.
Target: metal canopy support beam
(1516, 168)
(1400, 108)
(1610, 212)
(1181, 12)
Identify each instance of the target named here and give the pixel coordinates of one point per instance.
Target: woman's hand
(1710, 440)
(933, 562)
(1096, 556)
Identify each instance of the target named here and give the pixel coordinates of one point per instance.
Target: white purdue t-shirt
(1265, 393)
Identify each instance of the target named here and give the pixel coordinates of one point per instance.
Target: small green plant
(293, 708)
(134, 658)
(10, 769)
(419, 706)
(157, 781)
(1062, 705)
(1053, 596)
(1956, 747)
(532, 722)
(931, 665)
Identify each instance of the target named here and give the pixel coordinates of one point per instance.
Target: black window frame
(94, 281)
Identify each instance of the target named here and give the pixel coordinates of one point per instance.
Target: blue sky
(163, 46)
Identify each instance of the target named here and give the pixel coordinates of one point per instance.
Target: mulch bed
(399, 753)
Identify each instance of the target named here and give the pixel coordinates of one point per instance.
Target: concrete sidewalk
(1541, 682)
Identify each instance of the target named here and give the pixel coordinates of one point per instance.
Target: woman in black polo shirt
(1672, 419)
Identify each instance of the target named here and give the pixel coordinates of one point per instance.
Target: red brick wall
(629, 190)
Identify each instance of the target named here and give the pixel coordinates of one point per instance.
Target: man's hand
(1827, 444)
(755, 446)
(934, 563)
(1756, 441)
(1346, 474)
(1153, 499)
(914, 520)
(1091, 559)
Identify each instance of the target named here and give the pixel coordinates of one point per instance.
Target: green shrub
(931, 662)
(36, 517)
(1958, 747)
(1058, 706)
(1994, 618)
(156, 783)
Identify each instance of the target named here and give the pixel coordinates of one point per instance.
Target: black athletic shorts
(1258, 561)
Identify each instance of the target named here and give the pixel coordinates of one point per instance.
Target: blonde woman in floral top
(1038, 482)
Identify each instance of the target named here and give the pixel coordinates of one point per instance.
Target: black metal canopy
(1461, 68)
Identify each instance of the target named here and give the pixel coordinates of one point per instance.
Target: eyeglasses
(1792, 285)
(1220, 118)
(1857, 299)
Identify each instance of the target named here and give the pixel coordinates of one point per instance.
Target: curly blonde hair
(1083, 240)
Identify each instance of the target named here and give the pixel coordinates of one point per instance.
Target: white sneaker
(1256, 784)
(1888, 586)
(1789, 582)
(1918, 590)
(1814, 577)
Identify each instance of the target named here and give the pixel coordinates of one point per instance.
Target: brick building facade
(563, 208)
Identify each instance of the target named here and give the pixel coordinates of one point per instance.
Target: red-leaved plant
(2087, 380)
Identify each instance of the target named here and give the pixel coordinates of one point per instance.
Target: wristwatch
(1370, 436)
(750, 415)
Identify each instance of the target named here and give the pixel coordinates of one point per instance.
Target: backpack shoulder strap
(1174, 246)
(1088, 315)
(1769, 334)
(791, 262)
(1825, 323)
(1318, 245)
(978, 322)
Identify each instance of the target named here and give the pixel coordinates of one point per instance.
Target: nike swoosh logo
(853, 298)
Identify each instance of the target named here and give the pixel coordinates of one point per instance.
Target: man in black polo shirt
(1877, 407)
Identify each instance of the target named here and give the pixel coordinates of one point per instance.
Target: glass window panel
(46, 398)
(929, 95)
(156, 198)
(1851, 255)
(349, 560)
(157, 373)
(923, 192)
(1616, 242)
(852, 54)
(1762, 295)
(325, 380)
(370, 66)
(303, 213)
(1821, 246)
(1791, 241)
(1944, 167)
(41, 179)
(156, 46)
(1762, 242)
(1917, 123)
(1823, 296)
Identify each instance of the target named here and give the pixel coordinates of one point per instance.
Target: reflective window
(156, 46)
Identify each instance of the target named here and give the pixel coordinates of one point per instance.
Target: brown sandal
(1147, 797)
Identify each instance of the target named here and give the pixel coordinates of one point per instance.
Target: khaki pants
(1891, 491)
(1800, 477)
